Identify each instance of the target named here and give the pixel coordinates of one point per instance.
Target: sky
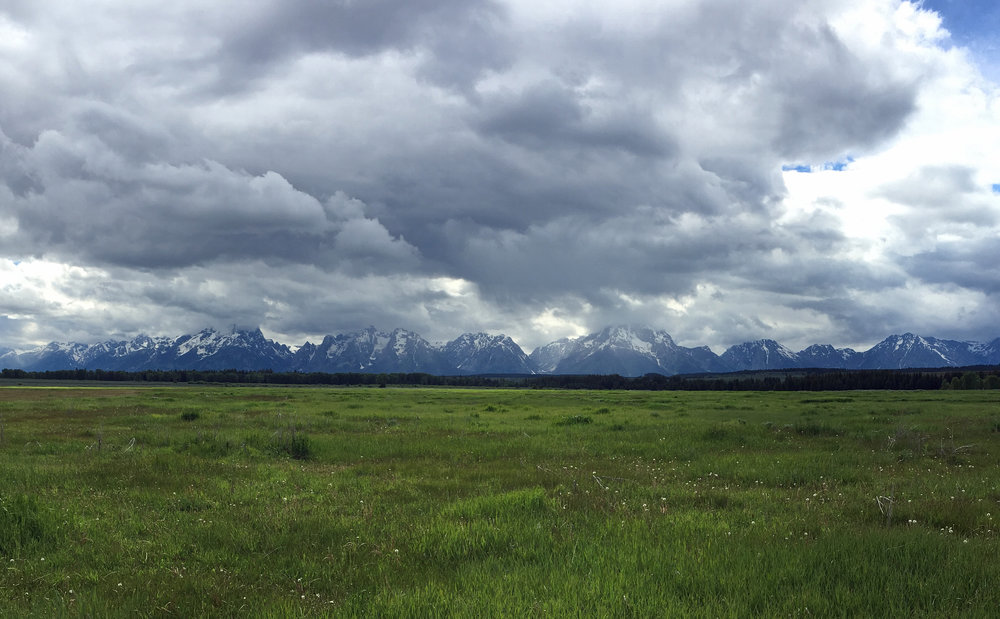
(802, 170)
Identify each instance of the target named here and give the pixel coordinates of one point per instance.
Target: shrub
(571, 420)
(22, 524)
(209, 446)
(299, 447)
(292, 443)
(715, 434)
(908, 443)
(816, 429)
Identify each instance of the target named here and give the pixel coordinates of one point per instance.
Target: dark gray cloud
(968, 264)
(89, 201)
(461, 38)
(836, 101)
(550, 116)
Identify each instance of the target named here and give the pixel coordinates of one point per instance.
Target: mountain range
(624, 350)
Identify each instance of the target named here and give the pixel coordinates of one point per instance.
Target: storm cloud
(459, 165)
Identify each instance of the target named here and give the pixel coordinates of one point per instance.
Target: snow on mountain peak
(621, 349)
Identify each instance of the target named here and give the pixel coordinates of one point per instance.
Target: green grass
(193, 501)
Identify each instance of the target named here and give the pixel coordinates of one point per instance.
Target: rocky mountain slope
(629, 351)
(625, 350)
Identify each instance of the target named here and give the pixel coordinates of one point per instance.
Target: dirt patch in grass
(20, 394)
(261, 398)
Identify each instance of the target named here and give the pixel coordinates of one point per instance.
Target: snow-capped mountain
(140, 353)
(481, 353)
(368, 350)
(894, 352)
(631, 351)
(546, 358)
(760, 355)
(826, 356)
(625, 350)
(373, 351)
(8, 357)
(912, 351)
(991, 352)
(211, 350)
(207, 350)
(53, 356)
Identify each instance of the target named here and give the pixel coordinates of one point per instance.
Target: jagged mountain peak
(820, 348)
(903, 340)
(546, 358)
(617, 349)
(632, 337)
(763, 354)
(625, 349)
(478, 337)
(910, 350)
(372, 350)
(826, 356)
(627, 331)
(483, 353)
(481, 340)
(762, 344)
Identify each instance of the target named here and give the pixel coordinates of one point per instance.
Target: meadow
(236, 501)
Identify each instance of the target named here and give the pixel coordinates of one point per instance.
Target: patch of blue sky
(968, 20)
(837, 166)
(974, 25)
(996, 187)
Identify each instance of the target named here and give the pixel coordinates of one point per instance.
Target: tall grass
(390, 502)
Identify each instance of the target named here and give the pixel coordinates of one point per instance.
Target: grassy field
(168, 501)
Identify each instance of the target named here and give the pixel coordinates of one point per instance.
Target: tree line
(764, 380)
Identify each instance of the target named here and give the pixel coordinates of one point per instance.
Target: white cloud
(925, 191)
